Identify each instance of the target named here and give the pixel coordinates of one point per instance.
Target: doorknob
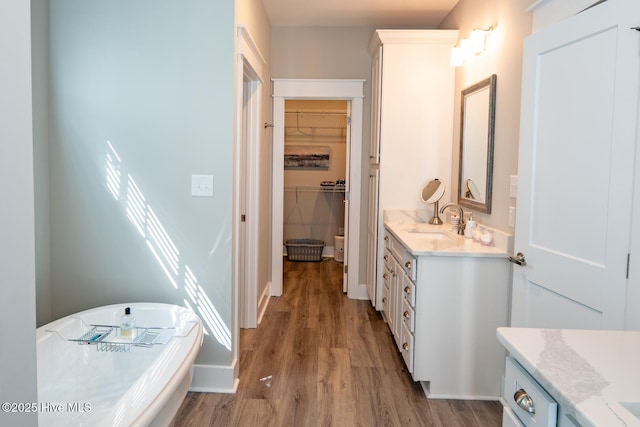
(518, 259)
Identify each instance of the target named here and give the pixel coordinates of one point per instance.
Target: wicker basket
(304, 249)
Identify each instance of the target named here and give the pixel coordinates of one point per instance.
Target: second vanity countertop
(422, 238)
(592, 374)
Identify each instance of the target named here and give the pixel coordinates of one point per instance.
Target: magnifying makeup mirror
(432, 192)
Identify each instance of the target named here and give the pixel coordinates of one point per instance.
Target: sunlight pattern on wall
(160, 244)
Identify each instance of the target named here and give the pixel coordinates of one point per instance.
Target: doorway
(350, 91)
(316, 138)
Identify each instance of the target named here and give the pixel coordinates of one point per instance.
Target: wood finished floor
(321, 359)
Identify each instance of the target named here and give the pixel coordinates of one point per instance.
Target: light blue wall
(17, 253)
(144, 88)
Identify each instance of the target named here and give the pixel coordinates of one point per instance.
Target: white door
(577, 139)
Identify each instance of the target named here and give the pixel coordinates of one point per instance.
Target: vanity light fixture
(468, 47)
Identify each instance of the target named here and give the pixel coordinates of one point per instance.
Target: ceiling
(371, 13)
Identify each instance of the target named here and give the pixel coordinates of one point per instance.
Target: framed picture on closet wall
(307, 157)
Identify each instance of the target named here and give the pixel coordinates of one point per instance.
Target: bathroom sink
(633, 407)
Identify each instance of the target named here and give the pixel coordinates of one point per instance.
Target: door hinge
(628, 262)
(346, 269)
(243, 218)
(349, 120)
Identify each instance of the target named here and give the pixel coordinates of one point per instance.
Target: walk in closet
(314, 175)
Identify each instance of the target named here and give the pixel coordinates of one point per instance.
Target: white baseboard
(214, 379)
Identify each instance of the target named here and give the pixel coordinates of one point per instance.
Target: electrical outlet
(513, 186)
(512, 216)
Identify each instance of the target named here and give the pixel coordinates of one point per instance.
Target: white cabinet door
(577, 141)
(372, 238)
(376, 109)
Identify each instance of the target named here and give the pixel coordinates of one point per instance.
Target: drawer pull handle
(524, 401)
(407, 264)
(406, 314)
(407, 290)
(405, 346)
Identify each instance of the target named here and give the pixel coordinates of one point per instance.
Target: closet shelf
(319, 188)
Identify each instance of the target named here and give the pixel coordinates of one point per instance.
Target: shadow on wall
(131, 199)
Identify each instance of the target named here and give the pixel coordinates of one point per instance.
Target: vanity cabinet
(443, 312)
(412, 85)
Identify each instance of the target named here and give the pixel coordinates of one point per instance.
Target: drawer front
(408, 316)
(406, 260)
(386, 276)
(518, 383)
(409, 291)
(385, 302)
(388, 261)
(406, 347)
(509, 419)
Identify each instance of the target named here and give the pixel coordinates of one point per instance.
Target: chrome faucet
(461, 224)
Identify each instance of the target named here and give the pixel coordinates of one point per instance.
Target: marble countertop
(422, 238)
(589, 373)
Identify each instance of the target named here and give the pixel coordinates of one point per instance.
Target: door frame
(248, 100)
(351, 90)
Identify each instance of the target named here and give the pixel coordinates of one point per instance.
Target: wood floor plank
(321, 359)
(336, 399)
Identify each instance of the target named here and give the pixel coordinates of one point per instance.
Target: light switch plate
(513, 186)
(202, 185)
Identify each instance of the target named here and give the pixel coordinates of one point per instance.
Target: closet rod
(318, 112)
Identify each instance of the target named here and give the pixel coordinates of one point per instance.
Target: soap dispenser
(471, 224)
(128, 324)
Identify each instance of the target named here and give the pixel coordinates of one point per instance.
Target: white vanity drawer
(385, 300)
(409, 291)
(406, 348)
(408, 316)
(387, 240)
(388, 262)
(386, 276)
(509, 419)
(406, 260)
(518, 383)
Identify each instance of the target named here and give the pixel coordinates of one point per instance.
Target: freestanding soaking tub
(90, 373)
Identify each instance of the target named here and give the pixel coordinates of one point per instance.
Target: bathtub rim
(152, 404)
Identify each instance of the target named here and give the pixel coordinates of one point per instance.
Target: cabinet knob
(405, 346)
(386, 238)
(524, 401)
(384, 300)
(386, 257)
(407, 264)
(406, 314)
(407, 290)
(385, 276)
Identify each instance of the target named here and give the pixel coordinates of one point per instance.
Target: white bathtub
(112, 382)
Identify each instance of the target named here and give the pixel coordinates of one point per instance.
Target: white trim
(414, 36)
(249, 69)
(351, 90)
(214, 379)
(248, 48)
